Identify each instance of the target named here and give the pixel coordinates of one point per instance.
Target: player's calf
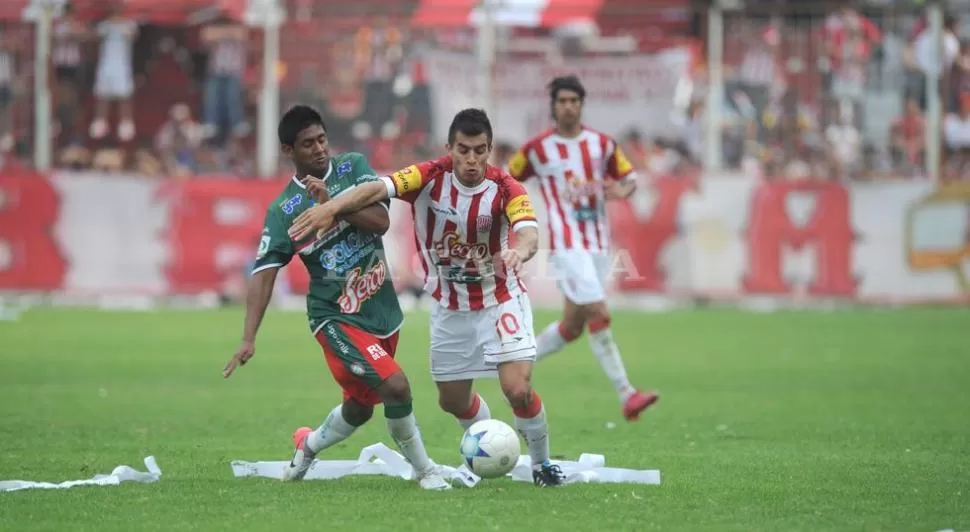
(559, 333)
(339, 425)
(403, 427)
(607, 352)
(458, 399)
(530, 420)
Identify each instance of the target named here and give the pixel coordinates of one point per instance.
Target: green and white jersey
(350, 281)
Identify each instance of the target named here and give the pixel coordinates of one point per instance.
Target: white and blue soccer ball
(490, 448)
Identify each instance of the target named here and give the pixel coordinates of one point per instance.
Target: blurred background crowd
(172, 89)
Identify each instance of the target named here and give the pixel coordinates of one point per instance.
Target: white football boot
(301, 462)
(432, 479)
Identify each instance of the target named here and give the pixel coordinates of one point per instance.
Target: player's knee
(572, 328)
(455, 406)
(518, 392)
(597, 318)
(396, 389)
(356, 413)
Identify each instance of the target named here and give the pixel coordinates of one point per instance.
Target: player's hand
(313, 220)
(512, 260)
(243, 354)
(617, 190)
(316, 188)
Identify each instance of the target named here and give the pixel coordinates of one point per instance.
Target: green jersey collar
(296, 178)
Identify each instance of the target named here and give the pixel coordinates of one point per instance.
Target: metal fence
(803, 89)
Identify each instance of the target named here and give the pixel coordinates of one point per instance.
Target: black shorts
(6, 96)
(68, 73)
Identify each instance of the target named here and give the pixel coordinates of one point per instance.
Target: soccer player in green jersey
(352, 306)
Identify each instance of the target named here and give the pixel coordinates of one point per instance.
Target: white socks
(403, 430)
(333, 431)
(532, 426)
(477, 412)
(405, 433)
(608, 354)
(549, 341)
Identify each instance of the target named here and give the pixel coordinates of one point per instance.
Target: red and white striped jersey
(459, 231)
(571, 174)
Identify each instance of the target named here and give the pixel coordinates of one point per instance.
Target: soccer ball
(490, 448)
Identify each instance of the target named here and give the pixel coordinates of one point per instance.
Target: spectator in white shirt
(924, 49)
(115, 80)
(956, 137)
(844, 143)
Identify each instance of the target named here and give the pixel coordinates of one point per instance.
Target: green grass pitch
(849, 420)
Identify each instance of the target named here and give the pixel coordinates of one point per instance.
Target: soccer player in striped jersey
(481, 324)
(578, 170)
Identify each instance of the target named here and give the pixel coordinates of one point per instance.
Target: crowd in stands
(840, 95)
(851, 104)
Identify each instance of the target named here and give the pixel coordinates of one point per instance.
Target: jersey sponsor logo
(462, 275)
(451, 246)
(290, 205)
(348, 252)
(344, 167)
(407, 180)
(361, 286)
(578, 187)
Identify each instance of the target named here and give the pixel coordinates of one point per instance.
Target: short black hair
(567, 83)
(298, 118)
(470, 122)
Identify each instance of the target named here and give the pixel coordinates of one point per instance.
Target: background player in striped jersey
(578, 169)
(481, 326)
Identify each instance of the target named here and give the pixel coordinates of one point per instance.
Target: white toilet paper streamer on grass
(118, 475)
(378, 459)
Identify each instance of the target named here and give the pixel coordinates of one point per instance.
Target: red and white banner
(622, 93)
(718, 237)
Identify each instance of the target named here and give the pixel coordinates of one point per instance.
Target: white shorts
(581, 275)
(470, 344)
(114, 83)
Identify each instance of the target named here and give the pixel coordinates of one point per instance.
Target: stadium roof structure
(167, 12)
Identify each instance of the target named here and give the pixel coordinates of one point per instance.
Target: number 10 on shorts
(508, 328)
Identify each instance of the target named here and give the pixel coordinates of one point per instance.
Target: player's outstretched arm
(372, 219)
(258, 295)
(321, 217)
